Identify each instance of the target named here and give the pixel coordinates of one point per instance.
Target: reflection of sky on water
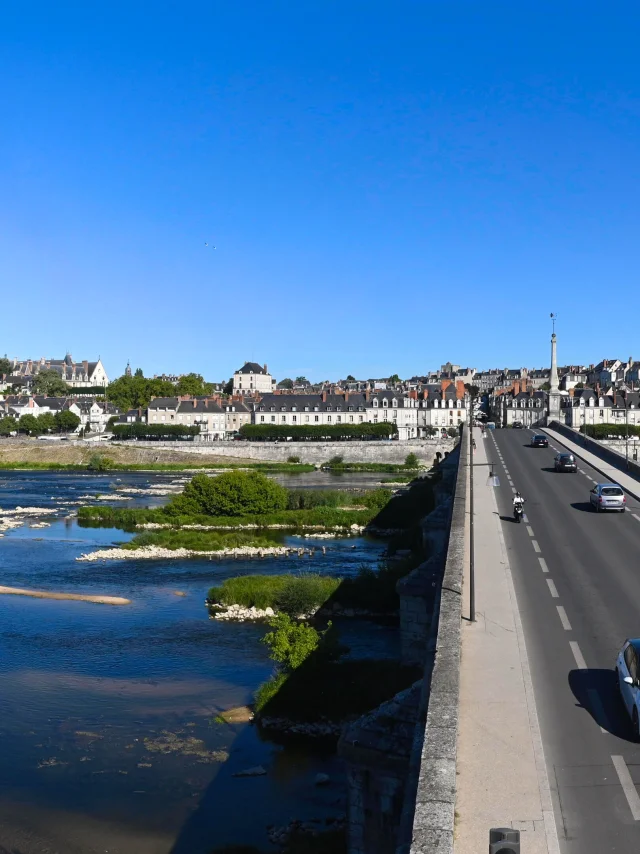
(123, 674)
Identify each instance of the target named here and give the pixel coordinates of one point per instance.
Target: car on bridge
(539, 441)
(627, 677)
(517, 425)
(565, 462)
(608, 496)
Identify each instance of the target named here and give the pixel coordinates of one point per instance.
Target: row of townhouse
(439, 406)
(93, 414)
(578, 407)
(217, 419)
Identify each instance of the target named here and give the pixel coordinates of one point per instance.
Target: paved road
(577, 579)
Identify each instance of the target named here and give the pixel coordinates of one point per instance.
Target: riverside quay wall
(401, 757)
(308, 452)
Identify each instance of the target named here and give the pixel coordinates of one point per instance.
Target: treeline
(137, 430)
(135, 392)
(38, 425)
(603, 431)
(318, 432)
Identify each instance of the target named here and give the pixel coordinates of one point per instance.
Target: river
(107, 714)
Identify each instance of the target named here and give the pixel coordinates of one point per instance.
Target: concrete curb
(430, 799)
(597, 451)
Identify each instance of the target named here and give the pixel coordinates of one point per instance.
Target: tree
(394, 379)
(545, 386)
(50, 383)
(5, 367)
(302, 381)
(351, 378)
(192, 384)
(411, 461)
(8, 425)
(46, 422)
(136, 392)
(473, 390)
(138, 373)
(228, 387)
(579, 385)
(285, 383)
(67, 421)
(28, 424)
(234, 493)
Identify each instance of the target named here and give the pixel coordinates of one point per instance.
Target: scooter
(518, 511)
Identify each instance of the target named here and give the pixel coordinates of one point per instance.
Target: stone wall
(308, 452)
(383, 750)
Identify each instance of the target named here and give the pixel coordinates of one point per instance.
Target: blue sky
(389, 185)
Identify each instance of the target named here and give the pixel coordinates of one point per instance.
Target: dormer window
(283, 409)
(316, 408)
(435, 404)
(294, 408)
(351, 409)
(385, 402)
(375, 403)
(306, 409)
(272, 408)
(338, 408)
(394, 402)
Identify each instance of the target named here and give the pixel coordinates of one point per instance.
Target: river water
(108, 739)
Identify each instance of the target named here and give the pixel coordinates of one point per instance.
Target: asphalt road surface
(577, 579)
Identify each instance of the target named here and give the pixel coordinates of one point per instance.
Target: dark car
(517, 425)
(539, 442)
(565, 462)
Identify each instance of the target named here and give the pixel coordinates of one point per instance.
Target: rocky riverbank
(157, 553)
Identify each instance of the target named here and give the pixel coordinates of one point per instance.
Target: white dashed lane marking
(543, 564)
(552, 589)
(566, 625)
(575, 649)
(530, 530)
(628, 787)
(635, 516)
(536, 547)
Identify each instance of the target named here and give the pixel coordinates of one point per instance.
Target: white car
(627, 673)
(607, 496)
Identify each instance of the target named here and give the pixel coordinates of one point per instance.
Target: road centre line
(535, 545)
(530, 530)
(575, 649)
(566, 625)
(635, 516)
(628, 786)
(525, 517)
(513, 489)
(552, 589)
(598, 711)
(543, 564)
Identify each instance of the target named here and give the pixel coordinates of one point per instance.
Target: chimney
(346, 396)
(367, 394)
(460, 389)
(195, 403)
(516, 387)
(613, 395)
(572, 392)
(265, 368)
(324, 397)
(530, 391)
(413, 395)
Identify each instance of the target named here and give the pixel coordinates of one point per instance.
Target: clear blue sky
(389, 185)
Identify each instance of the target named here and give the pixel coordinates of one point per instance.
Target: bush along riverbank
(370, 593)
(245, 500)
(313, 692)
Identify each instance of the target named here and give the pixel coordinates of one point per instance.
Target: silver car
(607, 496)
(627, 672)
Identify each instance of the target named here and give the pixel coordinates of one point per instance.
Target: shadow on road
(596, 691)
(584, 506)
(508, 519)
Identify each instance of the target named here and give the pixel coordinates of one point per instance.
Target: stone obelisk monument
(554, 391)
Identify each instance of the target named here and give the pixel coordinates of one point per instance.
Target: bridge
(517, 722)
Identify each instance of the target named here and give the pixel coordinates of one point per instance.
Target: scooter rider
(517, 499)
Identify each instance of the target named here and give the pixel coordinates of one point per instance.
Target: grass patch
(201, 541)
(283, 468)
(333, 691)
(292, 594)
(374, 467)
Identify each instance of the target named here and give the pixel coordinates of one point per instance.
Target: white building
(205, 413)
(252, 379)
(75, 374)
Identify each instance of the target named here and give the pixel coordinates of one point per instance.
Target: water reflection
(89, 690)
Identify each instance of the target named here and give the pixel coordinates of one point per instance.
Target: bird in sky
(209, 245)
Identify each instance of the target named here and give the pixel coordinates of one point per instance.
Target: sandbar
(78, 597)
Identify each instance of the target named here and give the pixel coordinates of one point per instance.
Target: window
(375, 403)
(351, 409)
(316, 418)
(328, 409)
(328, 418)
(375, 419)
(294, 418)
(283, 409)
(631, 661)
(315, 409)
(284, 418)
(273, 417)
(306, 409)
(338, 418)
(601, 413)
(272, 408)
(394, 402)
(351, 417)
(361, 418)
(385, 402)
(294, 408)
(262, 418)
(306, 418)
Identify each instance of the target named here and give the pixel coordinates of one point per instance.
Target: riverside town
(296, 553)
(275, 577)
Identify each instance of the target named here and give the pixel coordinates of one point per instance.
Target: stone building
(75, 374)
(204, 412)
(252, 379)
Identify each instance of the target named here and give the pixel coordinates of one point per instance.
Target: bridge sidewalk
(611, 473)
(502, 778)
